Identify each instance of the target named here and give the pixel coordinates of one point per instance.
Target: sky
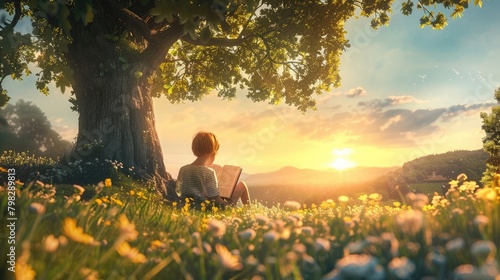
(406, 92)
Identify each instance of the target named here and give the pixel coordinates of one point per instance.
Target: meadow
(119, 229)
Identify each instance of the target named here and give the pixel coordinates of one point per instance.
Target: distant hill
(313, 186)
(438, 168)
(292, 176)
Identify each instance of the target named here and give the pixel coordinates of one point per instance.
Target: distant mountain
(291, 176)
(313, 186)
(438, 168)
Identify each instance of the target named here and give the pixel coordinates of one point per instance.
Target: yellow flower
(98, 201)
(24, 271)
(3, 170)
(127, 229)
(174, 204)
(486, 194)
(156, 244)
(107, 182)
(117, 201)
(131, 192)
(226, 259)
(75, 233)
(343, 198)
(396, 204)
(130, 253)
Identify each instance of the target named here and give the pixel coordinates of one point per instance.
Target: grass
(123, 231)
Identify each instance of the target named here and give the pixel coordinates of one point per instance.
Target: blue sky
(406, 92)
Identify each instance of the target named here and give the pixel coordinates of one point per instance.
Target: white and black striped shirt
(198, 182)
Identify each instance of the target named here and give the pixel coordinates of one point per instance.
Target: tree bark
(116, 119)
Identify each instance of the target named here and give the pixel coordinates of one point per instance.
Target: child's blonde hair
(204, 143)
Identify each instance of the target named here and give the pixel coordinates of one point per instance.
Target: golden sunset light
(342, 164)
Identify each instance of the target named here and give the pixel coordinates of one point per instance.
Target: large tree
(117, 55)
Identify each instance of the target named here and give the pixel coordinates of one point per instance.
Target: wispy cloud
(379, 104)
(356, 92)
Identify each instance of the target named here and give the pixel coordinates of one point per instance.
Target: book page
(227, 179)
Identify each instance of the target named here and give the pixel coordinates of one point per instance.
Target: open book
(227, 178)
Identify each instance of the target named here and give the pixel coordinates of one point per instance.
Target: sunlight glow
(341, 152)
(342, 163)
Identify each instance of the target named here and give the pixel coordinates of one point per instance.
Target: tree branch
(131, 19)
(219, 42)
(17, 16)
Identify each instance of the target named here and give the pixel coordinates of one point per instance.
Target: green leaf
(478, 3)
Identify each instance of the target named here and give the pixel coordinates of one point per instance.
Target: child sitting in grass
(199, 182)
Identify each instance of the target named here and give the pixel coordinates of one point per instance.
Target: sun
(342, 163)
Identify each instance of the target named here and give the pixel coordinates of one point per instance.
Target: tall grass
(124, 232)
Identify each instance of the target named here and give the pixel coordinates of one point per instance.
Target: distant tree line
(446, 166)
(26, 128)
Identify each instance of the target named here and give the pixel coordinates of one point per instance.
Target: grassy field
(124, 231)
(429, 188)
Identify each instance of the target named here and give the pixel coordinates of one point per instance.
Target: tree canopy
(28, 129)
(279, 50)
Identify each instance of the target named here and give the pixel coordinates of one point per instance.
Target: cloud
(356, 92)
(379, 104)
(466, 110)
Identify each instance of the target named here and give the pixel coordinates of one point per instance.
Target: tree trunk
(117, 122)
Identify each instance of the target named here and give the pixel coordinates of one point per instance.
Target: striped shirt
(198, 182)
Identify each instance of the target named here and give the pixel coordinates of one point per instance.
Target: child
(198, 181)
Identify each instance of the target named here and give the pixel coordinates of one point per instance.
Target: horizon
(406, 92)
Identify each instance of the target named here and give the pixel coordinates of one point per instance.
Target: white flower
(402, 268)
(37, 208)
(217, 228)
(481, 220)
(410, 221)
(292, 205)
(322, 244)
(455, 245)
(271, 236)
(50, 243)
(356, 266)
(247, 234)
(483, 248)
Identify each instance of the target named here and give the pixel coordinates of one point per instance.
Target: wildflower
(309, 231)
(98, 201)
(363, 197)
(157, 244)
(79, 189)
(481, 220)
(356, 266)
(37, 208)
(247, 234)
(117, 201)
(130, 253)
(127, 229)
(89, 274)
(322, 244)
(343, 198)
(462, 177)
(261, 219)
(396, 204)
(227, 259)
(410, 221)
(455, 245)
(291, 205)
(486, 194)
(402, 268)
(107, 182)
(24, 271)
(131, 192)
(3, 170)
(51, 243)
(271, 236)
(75, 233)
(217, 228)
(483, 248)
(375, 196)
